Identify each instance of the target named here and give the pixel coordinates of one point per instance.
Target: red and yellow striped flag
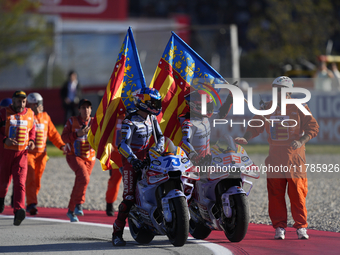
(179, 69)
(127, 76)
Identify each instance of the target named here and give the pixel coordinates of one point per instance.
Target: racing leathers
(195, 136)
(196, 132)
(136, 133)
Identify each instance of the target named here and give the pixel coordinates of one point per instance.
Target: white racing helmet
(283, 81)
(35, 98)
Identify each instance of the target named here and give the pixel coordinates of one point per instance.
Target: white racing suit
(196, 132)
(136, 133)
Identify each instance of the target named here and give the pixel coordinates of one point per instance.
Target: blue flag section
(127, 77)
(133, 74)
(191, 66)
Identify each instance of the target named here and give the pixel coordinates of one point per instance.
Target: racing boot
(119, 224)
(117, 235)
(117, 239)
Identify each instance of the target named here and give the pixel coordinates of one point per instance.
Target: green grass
(53, 151)
(59, 128)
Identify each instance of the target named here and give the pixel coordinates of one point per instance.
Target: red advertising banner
(86, 9)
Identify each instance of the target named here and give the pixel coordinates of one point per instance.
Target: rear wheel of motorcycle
(141, 235)
(198, 230)
(178, 229)
(236, 227)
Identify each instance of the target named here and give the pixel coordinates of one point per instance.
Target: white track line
(215, 248)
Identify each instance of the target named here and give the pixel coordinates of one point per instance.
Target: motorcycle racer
(136, 131)
(196, 129)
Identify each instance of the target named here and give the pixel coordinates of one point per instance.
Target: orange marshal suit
(37, 158)
(80, 158)
(281, 154)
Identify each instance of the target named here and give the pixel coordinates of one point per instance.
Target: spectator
(323, 78)
(336, 80)
(80, 156)
(37, 158)
(70, 94)
(17, 132)
(244, 85)
(286, 150)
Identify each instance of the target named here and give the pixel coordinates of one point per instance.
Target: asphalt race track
(51, 232)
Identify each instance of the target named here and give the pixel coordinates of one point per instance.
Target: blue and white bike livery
(161, 204)
(219, 200)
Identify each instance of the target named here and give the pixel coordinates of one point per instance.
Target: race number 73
(174, 161)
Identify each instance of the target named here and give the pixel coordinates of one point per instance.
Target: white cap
(34, 98)
(283, 81)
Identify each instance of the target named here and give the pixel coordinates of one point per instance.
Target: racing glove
(205, 161)
(193, 156)
(137, 164)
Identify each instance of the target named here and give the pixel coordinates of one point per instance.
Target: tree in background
(271, 33)
(23, 32)
(58, 77)
(287, 31)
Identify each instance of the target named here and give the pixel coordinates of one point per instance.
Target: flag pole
(153, 131)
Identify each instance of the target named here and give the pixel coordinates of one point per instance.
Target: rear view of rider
(196, 126)
(137, 128)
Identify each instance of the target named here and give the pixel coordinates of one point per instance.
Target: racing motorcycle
(161, 205)
(219, 199)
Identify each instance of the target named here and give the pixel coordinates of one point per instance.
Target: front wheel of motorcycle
(141, 235)
(178, 228)
(235, 228)
(198, 230)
